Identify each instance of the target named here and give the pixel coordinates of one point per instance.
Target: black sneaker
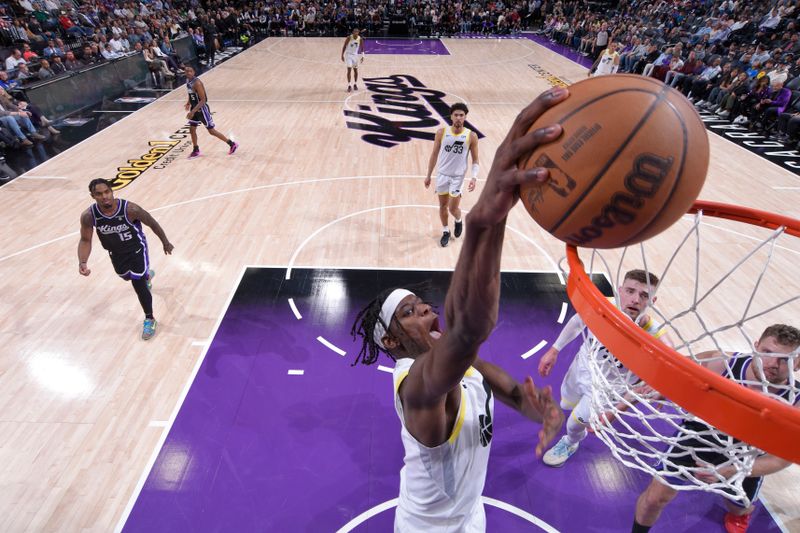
(459, 229)
(445, 239)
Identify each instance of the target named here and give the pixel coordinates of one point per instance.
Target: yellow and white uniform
(441, 487)
(606, 64)
(351, 52)
(452, 161)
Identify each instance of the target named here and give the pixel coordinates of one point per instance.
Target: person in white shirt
(14, 60)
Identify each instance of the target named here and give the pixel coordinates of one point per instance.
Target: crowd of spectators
(737, 58)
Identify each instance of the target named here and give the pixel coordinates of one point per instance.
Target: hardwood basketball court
(85, 403)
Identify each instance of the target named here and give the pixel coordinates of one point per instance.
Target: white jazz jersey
(606, 64)
(578, 380)
(352, 46)
(441, 487)
(453, 153)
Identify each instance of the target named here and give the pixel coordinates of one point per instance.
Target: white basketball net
(727, 312)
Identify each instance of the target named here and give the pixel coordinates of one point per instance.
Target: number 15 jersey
(117, 234)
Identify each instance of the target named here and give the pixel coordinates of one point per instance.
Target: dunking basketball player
(775, 342)
(443, 392)
(451, 146)
(351, 50)
(118, 224)
(200, 113)
(576, 388)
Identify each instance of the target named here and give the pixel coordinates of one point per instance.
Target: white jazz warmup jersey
(441, 487)
(351, 52)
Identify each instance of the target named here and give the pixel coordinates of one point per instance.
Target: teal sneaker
(149, 328)
(558, 454)
(150, 275)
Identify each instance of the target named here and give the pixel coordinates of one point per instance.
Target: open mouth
(435, 332)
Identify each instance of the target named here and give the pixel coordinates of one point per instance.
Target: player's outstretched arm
(534, 403)
(137, 213)
(473, 296)
(569, 332)
(85, 243)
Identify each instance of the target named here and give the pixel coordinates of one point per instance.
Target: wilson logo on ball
(648, 174)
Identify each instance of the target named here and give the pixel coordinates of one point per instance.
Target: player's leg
(136, 268)
(455, 205)
(650, 504)
(231, 144)
(355, 76)
(444, 201)
(193, 133)
(577, 423)
(738, 516)
(349, 88)
(208, 122)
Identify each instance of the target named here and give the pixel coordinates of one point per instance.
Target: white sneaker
(701, 103)
(558, 454)
(724, 113)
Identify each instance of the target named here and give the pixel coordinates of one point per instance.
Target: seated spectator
(52, 50)
(16, 121)
(45, 72)
(721, 90)
(109, 54)
(28, 54)
(89, 57)
(744, 105)
(71, 63)
(23, 74)
(14, 60)
(34, 113)
(151, 58)
(737, 90)
(691, 67)
(58, 65)
(6, 83)
(765, 113)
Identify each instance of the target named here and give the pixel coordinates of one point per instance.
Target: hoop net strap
(730, 407)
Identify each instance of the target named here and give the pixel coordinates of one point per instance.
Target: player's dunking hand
(538, 403)
(501, 191)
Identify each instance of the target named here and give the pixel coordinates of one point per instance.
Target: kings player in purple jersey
(198, 113)
(118, 224)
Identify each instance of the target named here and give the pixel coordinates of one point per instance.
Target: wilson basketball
(631, 160)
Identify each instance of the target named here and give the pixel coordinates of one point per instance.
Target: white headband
(387, 312)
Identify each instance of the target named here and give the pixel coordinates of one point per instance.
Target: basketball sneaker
(558, 454)
(195, 153)
(349, 89)
(459, 228)
(445, 239)
(149, 328)
(736, 523)
(150, 275)
(355, 86)
(234, 146)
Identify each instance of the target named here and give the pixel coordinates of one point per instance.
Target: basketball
(631, 161)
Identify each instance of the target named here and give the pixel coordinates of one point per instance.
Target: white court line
(535, 349)
(296, 372)
(787, 188)
(143, 478)
(775, 516)
(199, 343)
(386, 369)
(158, 424)
(332, 346)
(563, 313)
(297, 314)
(385, 506)
(445, 47)
(25, 177)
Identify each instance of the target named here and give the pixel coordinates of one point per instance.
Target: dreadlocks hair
(364, 326)
(367, 318)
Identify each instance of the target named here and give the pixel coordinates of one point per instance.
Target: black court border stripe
(659, 97)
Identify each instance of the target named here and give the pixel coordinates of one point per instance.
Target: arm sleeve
(571, 330)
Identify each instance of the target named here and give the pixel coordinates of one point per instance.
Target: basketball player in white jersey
(607, 63)
(443, 392)
(576, 388)
(351, 50)
(451, 146)
(775, 343)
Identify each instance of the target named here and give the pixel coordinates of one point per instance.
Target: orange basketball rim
(764, 422)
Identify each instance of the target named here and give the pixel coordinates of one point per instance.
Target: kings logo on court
(402, 109)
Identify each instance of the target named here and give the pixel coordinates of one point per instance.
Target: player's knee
(658, 496)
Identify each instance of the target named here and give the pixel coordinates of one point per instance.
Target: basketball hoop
(640, 428)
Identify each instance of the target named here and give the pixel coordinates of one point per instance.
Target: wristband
(475, 168)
